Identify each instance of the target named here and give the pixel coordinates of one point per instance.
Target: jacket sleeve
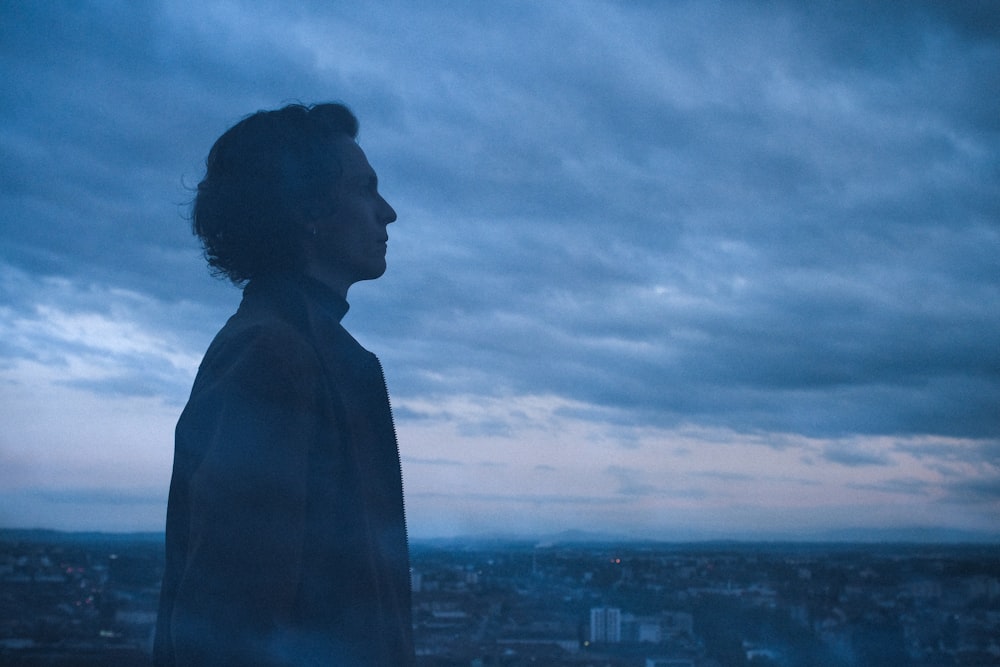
(247, 431)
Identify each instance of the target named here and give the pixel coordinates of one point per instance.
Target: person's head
(290, 190)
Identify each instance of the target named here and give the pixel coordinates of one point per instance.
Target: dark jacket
(286, 538)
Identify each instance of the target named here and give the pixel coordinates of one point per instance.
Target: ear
(316, 211)
(308, 219)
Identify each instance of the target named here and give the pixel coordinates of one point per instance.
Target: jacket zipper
(399, 464)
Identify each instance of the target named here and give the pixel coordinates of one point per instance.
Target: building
(605, 625)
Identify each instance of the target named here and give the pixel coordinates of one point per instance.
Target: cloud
(106, 340)
(726, 476)
(852, 456)
(541, 500)
(497, 429)
(899, 486)
(984, 490)
(984, 453)
(84, 496)
(629, 482)
(432, 462)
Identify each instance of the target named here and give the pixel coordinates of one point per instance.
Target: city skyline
(690, 271)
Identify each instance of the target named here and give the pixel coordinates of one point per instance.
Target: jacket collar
(323, 298)
(285, 287)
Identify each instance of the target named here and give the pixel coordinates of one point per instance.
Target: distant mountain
(914, 534)
(896, 535)
(45, 536)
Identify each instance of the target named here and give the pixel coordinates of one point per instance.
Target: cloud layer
(771, 225)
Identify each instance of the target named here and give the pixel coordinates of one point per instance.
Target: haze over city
(687, 270)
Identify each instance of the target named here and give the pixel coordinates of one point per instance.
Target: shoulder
(262, 354)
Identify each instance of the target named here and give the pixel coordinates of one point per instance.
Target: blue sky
(675, 270)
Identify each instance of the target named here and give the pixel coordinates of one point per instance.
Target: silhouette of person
(286, 537)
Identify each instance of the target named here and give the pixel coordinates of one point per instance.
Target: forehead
(353, 161)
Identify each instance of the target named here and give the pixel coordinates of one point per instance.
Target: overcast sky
(678, 270)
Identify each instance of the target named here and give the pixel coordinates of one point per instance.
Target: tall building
(605, 625)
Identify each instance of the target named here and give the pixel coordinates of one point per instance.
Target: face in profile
(350, 243)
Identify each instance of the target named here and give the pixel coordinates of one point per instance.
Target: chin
(374, 272)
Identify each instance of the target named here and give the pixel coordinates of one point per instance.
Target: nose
(388, 213)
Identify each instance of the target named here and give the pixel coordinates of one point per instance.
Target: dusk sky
(676, 270)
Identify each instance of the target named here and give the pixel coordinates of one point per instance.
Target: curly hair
(263, 178)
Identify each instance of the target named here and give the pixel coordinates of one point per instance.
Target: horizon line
(865, 536)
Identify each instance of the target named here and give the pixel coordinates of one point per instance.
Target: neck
(328, 278)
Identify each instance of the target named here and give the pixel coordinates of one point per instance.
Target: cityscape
(90, 599)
